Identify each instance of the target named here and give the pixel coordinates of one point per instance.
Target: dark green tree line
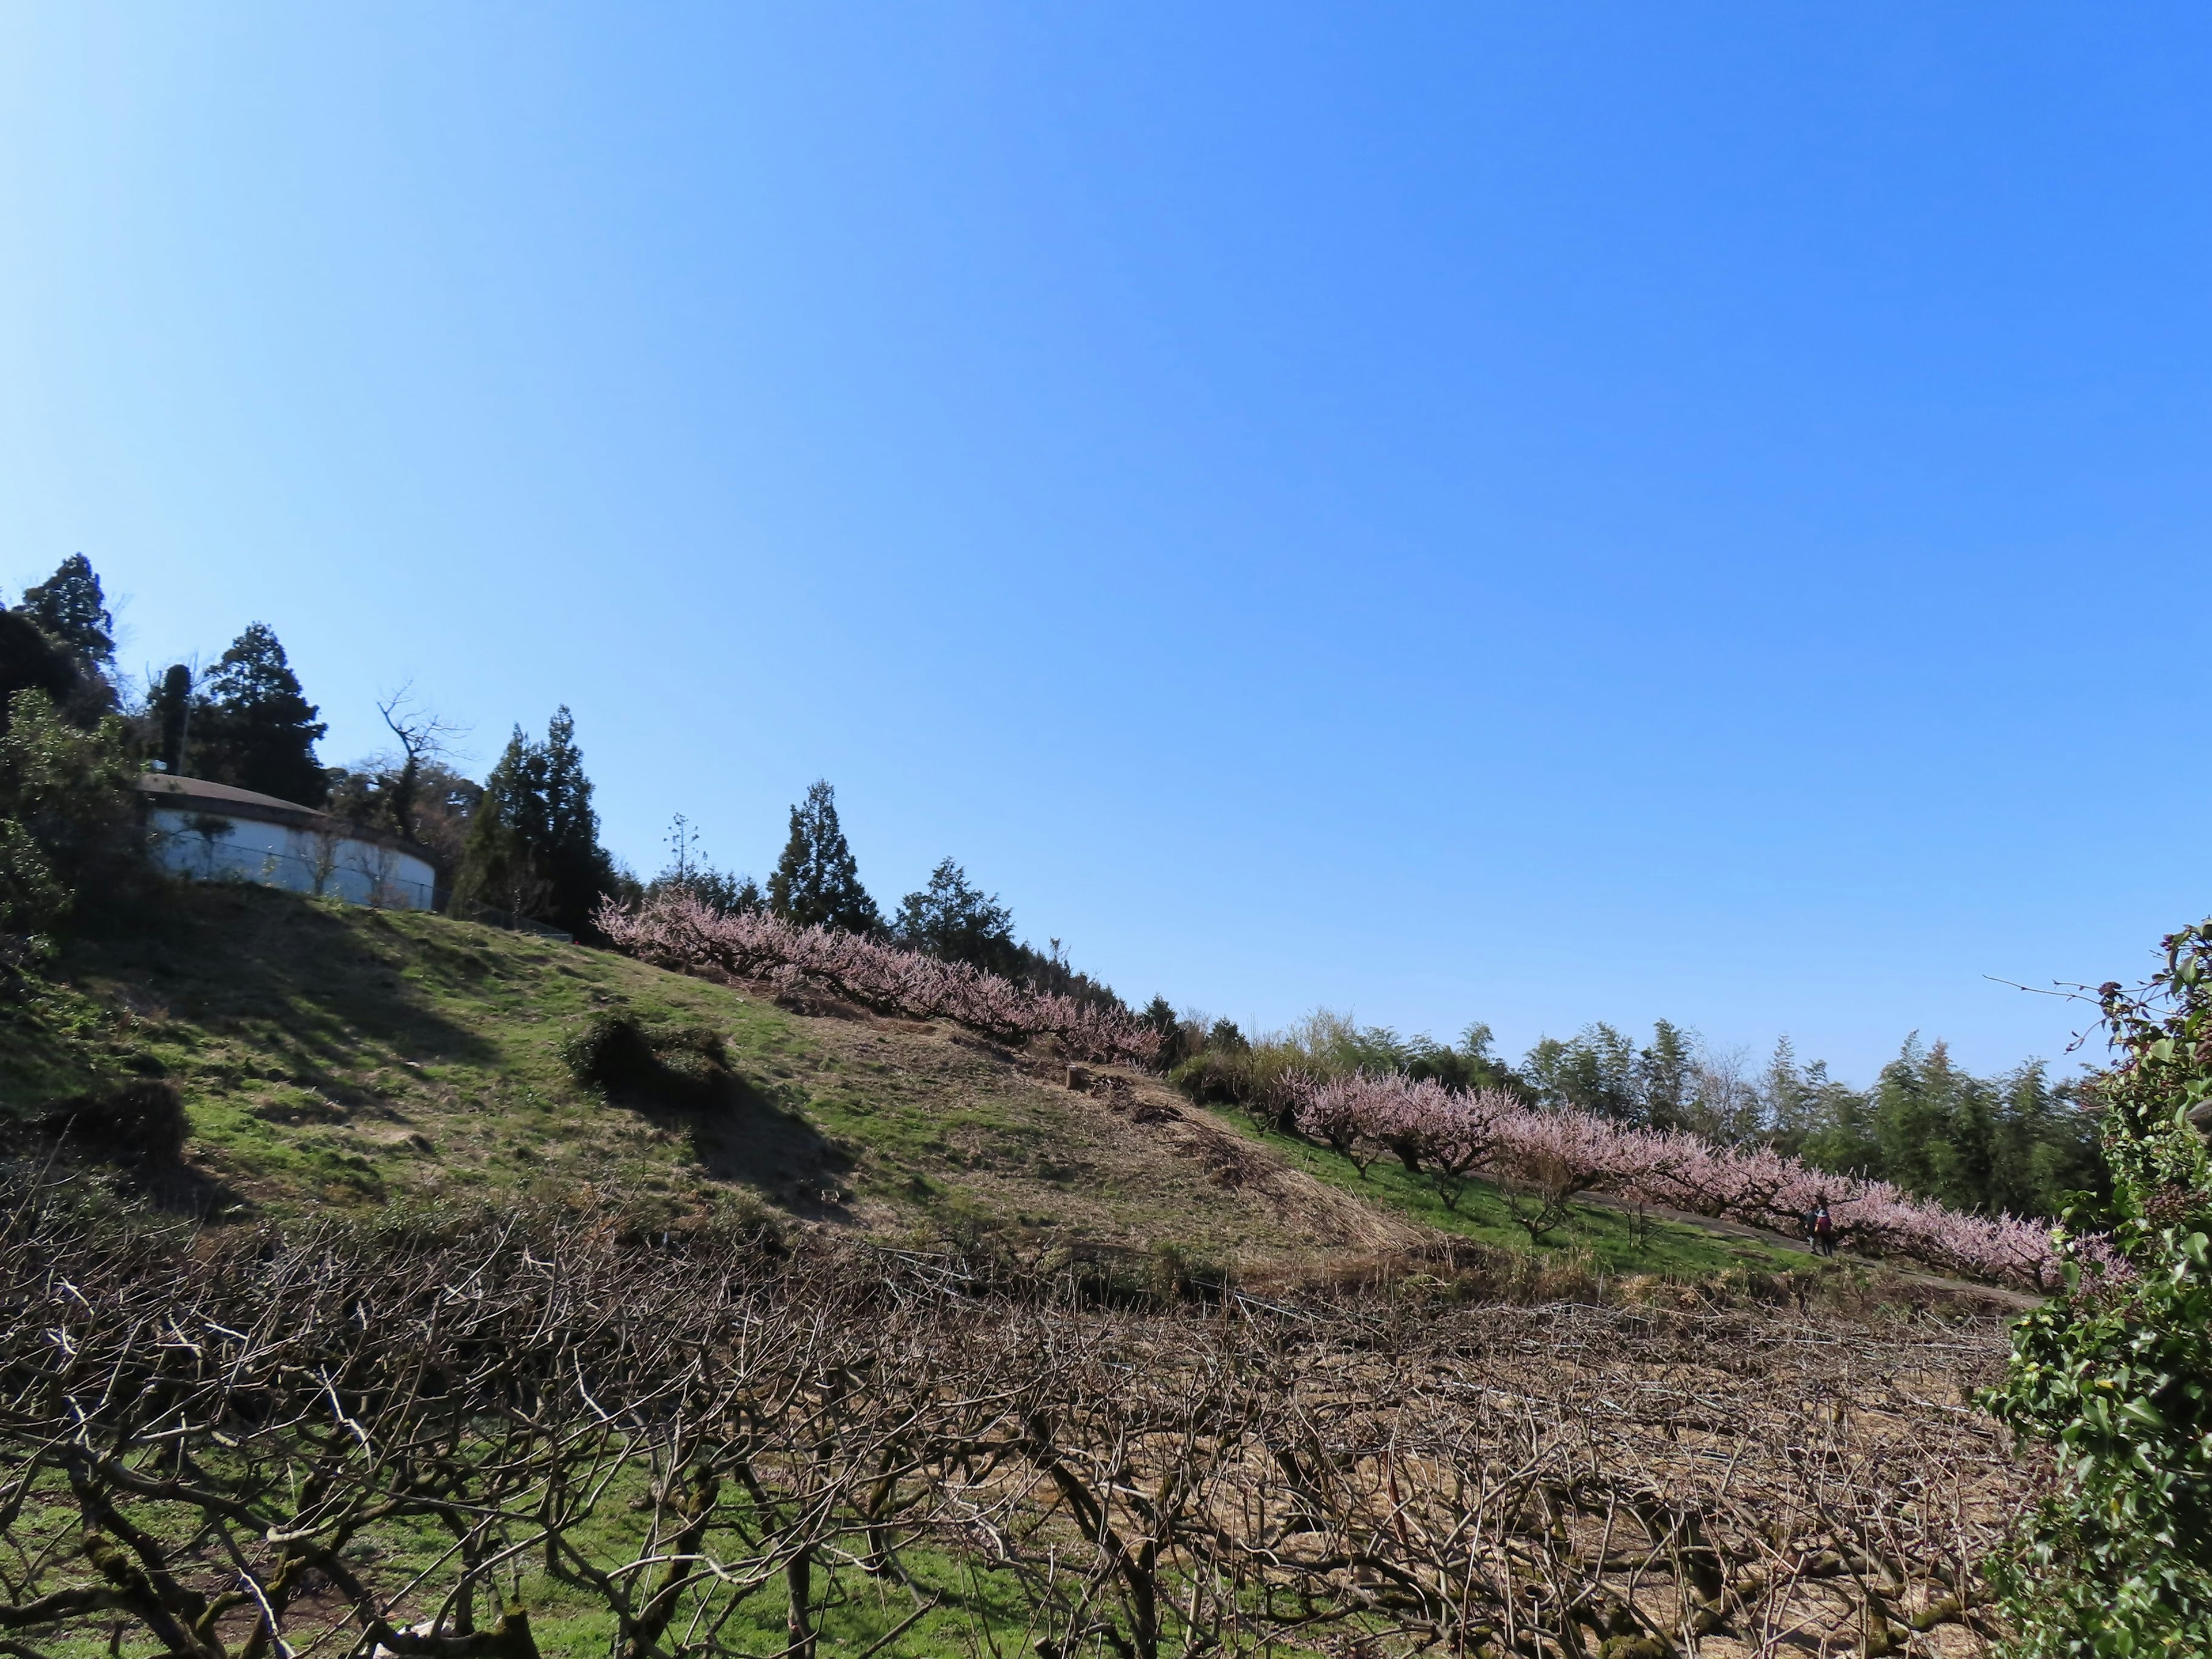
(2011, 1142)
(955, 921)
(817, 881)
(251, 724)
(60, 640)
(532, 848)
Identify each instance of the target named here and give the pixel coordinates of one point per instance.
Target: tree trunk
(798, 1581)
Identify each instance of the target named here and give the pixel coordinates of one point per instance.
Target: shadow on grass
(167, 1184)
(742, 1135)
(679, 1077)
(218, 953)
(183, 1189)
(137, 1130)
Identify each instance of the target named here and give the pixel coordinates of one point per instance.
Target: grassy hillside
(337, 1057)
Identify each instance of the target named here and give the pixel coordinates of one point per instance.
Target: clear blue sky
(1538, 513)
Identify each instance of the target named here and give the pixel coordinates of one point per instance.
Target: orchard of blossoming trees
(676, 930)
(1451, 1135)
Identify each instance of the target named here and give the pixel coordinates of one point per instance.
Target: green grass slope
(329, 1056)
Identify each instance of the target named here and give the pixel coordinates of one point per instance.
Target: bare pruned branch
(431, 1441)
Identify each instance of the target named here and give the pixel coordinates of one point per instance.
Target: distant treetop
(818, 880)
(72, 610)
(254, 728)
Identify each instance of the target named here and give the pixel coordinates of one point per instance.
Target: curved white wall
(212, 845)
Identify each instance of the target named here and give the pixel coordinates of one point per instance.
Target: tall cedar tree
(69, 606)
(817, 879)
(954, 921)
(58, 640)
(533, 841)
(254, 728)
(498, 870)
(171, 706)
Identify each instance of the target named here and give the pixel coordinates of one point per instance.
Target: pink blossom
(1449, 1135)
(677, 931)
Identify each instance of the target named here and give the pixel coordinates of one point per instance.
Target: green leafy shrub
(609, 1051)
(2115, 1376)
(33, 901)
(1215, 1078)
(68, 823)
(621, 1055)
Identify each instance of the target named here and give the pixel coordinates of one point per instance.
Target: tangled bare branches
(443, 1444)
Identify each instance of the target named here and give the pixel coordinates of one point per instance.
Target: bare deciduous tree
(423, 735)
(342, 1441)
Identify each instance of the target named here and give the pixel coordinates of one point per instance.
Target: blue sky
(1533, 514)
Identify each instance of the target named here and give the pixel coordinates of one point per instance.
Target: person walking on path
(1824, 1231)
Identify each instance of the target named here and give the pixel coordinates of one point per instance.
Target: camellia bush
(675, 930)
(1452, 1135)
(2114, 1378)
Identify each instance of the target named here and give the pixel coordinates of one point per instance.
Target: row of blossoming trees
(677, 931)
(1545, 1157)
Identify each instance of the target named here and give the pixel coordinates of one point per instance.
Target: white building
(212, 832)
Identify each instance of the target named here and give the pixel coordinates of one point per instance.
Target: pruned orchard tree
(470, 1439)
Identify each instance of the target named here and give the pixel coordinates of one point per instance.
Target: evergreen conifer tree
(817, 881)
(255, 727)
(954, 921)
(1160, 1014)
(60, 640)
(532, 848)
(171, 706)
(497, 869)
(73, 612)
(577, 867)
